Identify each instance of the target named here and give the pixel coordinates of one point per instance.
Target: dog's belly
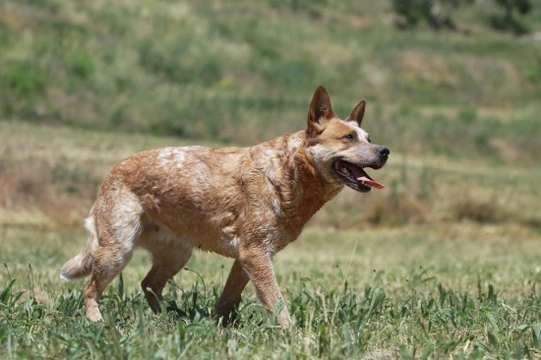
(188, 232)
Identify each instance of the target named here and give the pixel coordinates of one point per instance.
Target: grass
(407, 293)
(446, 265)
(50, 178)
(443, 263)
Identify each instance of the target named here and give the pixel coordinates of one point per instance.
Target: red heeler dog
(243, 203)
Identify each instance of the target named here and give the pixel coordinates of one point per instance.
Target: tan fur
(243, 203)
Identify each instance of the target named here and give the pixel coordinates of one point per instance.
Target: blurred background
(453, 89)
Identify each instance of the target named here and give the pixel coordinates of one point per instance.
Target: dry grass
(50, 178)
(50, 175)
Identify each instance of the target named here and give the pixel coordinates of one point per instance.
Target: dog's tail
(81, 265)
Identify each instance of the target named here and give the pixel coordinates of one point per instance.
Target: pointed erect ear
(357, 113)
(320, 111)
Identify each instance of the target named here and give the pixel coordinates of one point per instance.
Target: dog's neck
(299, 185)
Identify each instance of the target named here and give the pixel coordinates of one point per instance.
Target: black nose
(383, 151)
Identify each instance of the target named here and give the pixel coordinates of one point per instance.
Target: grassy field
(409, 292)
(442, 263)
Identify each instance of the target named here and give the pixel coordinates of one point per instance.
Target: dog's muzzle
(354, 175)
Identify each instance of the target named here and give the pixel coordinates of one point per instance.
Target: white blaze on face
(363, 135)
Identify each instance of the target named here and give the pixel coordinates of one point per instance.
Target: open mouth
(355, 177)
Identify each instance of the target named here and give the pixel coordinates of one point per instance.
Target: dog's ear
(357, 113)
(320, 111)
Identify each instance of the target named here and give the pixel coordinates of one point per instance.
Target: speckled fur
(243, 203)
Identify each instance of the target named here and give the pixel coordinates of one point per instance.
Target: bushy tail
(81, 265)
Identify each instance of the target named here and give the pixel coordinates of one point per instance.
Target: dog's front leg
(257, 263)
(236, 282)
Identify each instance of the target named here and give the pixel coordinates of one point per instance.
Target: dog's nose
(383, 151)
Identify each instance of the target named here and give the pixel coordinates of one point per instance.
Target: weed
(20, 85)
(468, 207)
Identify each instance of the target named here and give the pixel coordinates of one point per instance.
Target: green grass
(409, 293)
(443, 263)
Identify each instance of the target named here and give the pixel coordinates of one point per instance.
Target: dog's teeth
(365, 184)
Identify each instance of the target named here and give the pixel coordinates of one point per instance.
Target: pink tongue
(371, 182)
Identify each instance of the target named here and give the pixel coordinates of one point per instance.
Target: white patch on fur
(126, 219)
(363, 135)
(229, 232)
(296, 141)
(171, 154)
(178, 156)
(360, 132)
(321, 154)
(90, 226)
(160, 239)
(79, 261)
(277, 207)
(234, 245)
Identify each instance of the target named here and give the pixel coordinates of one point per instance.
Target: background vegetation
(448, 262)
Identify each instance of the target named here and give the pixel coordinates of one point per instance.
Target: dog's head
(340, 149)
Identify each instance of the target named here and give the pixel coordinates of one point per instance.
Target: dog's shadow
(196, 313)
(192, 305)
(198, 304)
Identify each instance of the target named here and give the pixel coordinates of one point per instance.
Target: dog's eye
(350, 137)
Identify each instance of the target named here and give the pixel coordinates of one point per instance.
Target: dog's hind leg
(108, 263)
(117, 233)
(236, 282)
(168, 258)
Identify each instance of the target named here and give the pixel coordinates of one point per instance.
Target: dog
(243, 203)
